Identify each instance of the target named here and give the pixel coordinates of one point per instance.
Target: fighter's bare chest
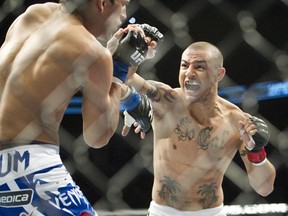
(186, 133)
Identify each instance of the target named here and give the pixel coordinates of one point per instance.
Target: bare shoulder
(40, 12)
(34, 16)
(233, 112)
(45, 8)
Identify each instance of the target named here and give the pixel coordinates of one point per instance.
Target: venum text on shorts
(15, 161)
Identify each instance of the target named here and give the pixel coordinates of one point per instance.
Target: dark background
(253, 37)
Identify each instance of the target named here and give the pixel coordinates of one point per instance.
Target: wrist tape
(256, 157)
(131, 101)
(117, 81)
(120, 70)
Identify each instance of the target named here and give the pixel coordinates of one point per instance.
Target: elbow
(95, 141)
(97, 133)
(263, 180)
(265, 191)
(97, 144)
(265, 188)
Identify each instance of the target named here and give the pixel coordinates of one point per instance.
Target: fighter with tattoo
(197, 134)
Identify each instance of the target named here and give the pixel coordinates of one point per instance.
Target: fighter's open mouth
(192, 85)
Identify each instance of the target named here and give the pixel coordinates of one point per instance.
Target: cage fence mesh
(253, 37)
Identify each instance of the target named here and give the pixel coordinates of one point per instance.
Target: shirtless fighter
(196, 135)
(51, 52)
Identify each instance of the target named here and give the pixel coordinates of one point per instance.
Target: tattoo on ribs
(168, 190)
(208, 195)
(203, 136)
(183, 130)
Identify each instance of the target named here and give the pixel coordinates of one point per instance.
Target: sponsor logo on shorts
(15, 198)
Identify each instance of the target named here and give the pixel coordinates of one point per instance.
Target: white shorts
(161, 210)
(34, 181)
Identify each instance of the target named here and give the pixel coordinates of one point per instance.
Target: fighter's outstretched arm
(255, 136)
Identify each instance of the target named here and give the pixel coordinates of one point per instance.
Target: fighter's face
(197, 75)
(117, 14)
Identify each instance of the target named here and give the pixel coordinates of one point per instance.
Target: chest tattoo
(203, 136)
(217, 143)
(184, 131)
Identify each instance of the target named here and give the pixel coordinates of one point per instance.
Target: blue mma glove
(137, 108)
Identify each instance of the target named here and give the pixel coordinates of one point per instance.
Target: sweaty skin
(196, 134)
(48, 56)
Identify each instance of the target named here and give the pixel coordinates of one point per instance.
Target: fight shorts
(161, 210)
(34, 181)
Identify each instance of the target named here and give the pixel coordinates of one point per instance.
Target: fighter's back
(36, 83)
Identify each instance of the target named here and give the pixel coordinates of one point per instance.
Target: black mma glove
(152, 32)
(137, 108)
(132, 49)
(155, 35)
(257, 155)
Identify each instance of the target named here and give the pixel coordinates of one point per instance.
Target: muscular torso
(191, 153)
(37, 75)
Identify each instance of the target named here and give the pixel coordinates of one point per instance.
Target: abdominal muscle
(186, 182)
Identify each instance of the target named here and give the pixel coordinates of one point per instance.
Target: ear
(101, 4)
(221, 73)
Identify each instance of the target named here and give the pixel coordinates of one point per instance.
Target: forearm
(140, 84)
(100, 117)
(255, 135)
(262, 178)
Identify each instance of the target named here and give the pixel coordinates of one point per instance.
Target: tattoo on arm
(168, 190)
(243, 153)
(208, 195)
(155, 93)
(167, 95)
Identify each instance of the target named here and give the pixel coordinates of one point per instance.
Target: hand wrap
(257, 155)
(137, 108)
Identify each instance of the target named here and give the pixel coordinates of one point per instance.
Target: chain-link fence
(253, 37)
